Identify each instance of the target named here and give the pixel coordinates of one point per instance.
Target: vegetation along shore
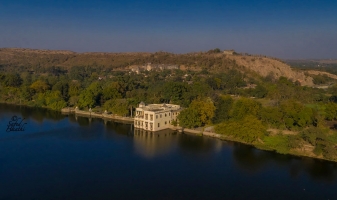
(252, 99)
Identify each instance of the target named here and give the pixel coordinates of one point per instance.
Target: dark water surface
(60, 157)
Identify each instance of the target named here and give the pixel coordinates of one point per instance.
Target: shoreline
(129, 120)
(67, 111)
(179, 129)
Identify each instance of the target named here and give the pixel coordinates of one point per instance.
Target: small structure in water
(156, 117)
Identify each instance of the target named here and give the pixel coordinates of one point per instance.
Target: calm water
(60, 157)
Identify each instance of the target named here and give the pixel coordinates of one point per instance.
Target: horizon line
(149, 52)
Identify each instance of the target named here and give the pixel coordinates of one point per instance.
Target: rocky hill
(32, 59)
(314, 72)
(267, 66)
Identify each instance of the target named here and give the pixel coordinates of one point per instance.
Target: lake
(67, 157)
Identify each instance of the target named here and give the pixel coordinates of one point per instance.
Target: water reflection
(112, 128)
(245, 159)
(252, 160)
(248, 158)
(37, 114)
(83, 121)
(319, 170)
(198, 144)
(153, 144)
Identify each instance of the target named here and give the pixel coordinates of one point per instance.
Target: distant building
(171, 67)
(155, 117)
(134, 68)
(149, 67)
(229, 52)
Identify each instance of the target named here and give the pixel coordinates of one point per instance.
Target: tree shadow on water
(252, 160)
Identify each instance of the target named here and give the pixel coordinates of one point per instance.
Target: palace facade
(155, 117)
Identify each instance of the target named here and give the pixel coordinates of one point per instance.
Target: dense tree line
(240, 106)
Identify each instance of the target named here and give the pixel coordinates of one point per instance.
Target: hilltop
(265, 66)
(34, 59)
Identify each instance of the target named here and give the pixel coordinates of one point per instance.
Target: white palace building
(155, 117)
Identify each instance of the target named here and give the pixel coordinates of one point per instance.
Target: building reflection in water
(152, 144)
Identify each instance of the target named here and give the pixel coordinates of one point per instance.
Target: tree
(63, 88)
(331, 111)
(39, 86)
(260, 91)
(10, 94)
(90, 96)
(314, 134)
(54, 100)
(50, 99)
(295, 115)
(197, 90)
(74, 88)
(245, 106)
(223, 106)
(249, 129)
(26, 93)
(189, 118)
(200, 112)
(12, 80)
(26, 78)
(205, 109)
(117, 106)
(87, 99)
(175, 92)
(272, 116)
(112, 91)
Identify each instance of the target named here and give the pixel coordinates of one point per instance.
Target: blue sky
(285, 29)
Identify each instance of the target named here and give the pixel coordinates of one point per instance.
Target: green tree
(26, 93)
(50, 99)
(10, 94)
(112, 91)
(90, 96)
(74, 88)
(245, 106)
(55, 101)
(314, 134)
(249, 129)
(200, 112)
(39, 86)
(63, 88)
(12, 80)
(26, 78)
(205, 109)
(272, 116)
(223, 106)
(295, 115)
(189, 118)
(117, 106)
(331, 111)
(260, 91)
(175, 92)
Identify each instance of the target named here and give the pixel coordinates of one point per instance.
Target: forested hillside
(251, 99)
(45, 61)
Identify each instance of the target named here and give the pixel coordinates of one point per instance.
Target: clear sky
(294, 29)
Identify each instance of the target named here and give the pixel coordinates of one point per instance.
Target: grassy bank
(324, 149)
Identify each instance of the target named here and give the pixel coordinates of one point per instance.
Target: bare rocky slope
(264, 66)
(267, 66)
(315, 72)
